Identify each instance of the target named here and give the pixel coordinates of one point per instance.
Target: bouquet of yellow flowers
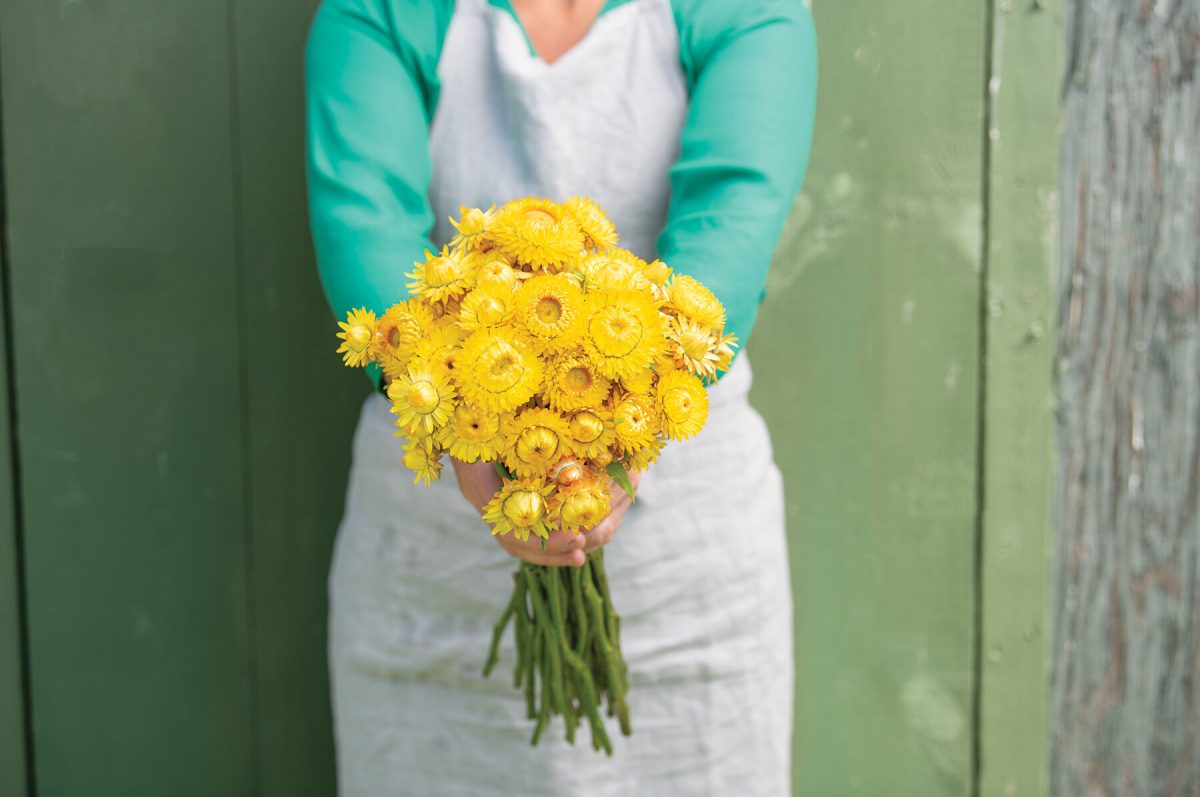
(534, 342)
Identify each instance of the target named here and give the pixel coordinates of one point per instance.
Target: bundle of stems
(568, 648)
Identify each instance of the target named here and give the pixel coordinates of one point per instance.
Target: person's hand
(478, 482)
(604, 532)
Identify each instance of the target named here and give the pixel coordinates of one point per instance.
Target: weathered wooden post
(1126, 687)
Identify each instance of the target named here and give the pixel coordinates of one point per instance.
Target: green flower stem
(497, 631)
(533, 665)
(543, 716)
(521, 632)
(580, 612)
(568, 648)
(597, 663)
(590, 705)
(549, 629)
(557, 602)
(613, 626)
(608, 654)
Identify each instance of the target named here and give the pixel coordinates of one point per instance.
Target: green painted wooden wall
(168, 499)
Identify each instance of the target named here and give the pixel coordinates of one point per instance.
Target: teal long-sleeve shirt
(371, 89)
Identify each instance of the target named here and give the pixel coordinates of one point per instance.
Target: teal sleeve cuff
(752, 72)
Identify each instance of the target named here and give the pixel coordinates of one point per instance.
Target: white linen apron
(698, 569)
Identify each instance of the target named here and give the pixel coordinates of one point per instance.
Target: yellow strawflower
(534, 340)
(442, 276)
(592, 433)
(446, 311)
(422, 399)
(572, 382)
(550, 308)
(474, 434)
(521, 506)
(725, 351)
(489, 305)
(423, 459)
(440, 346)
(611, 269)
(537, 438)
(472, 226)
(598, 230)
(640, 381)
(397, 334)
(536, 232)
(682, 404)
(581, 505)
(693, 347)
(635, 418)
(688, 296)
(358, 333)
(402, 326)
(624, 331)
(497, 369)
(657, 272)
(567, 471)
(644, 457)
(496, 272)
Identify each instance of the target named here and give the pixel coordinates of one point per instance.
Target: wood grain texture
(118, 171)
(1126, 690)
(866, 368)
(1017, 462)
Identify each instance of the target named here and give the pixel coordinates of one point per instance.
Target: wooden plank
(298, 458)
(119, 171)
(13, 752)
(866, 364)
(1018, 471)
(1126, 707)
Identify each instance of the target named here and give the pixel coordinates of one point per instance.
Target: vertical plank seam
(14, 452)
(244, 398)
(977, 630)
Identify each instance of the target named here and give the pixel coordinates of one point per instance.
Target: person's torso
(603, 120)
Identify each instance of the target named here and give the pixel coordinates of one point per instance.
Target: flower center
(548, 310)
(619, 333)
(677, 404)
(359, 335)
(631, 413)
(586, 427)
(578, 378)
(583, 509)
(537, 445)
(471, 425)
(500, 368)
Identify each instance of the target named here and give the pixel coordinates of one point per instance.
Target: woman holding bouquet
(689, 121)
